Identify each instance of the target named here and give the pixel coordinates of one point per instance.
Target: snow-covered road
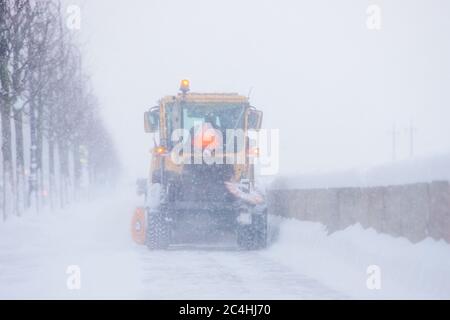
(303, 262)
(36, 251)
(217, 273)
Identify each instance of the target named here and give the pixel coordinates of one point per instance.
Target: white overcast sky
(332, 87)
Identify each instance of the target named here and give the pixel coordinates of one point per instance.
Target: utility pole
(394, 134)
(412, 131)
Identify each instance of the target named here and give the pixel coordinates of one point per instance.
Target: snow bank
(341, 260)
(36, 251)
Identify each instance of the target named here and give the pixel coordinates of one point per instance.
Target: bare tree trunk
(8, 177)
(5, 110)
(39, 150)
(33, 179)
(64, 172)
(20, 161)
(76, 169)
(51, 171)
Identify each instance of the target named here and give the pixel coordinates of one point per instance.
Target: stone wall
(414, 211)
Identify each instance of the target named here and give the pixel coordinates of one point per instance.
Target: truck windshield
(220, 117)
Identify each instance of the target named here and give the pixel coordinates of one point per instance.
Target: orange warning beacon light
(159, 151)
(254, 152)
(185, 86)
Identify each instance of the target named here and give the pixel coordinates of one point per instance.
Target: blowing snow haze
(332, 86)
(358, 92)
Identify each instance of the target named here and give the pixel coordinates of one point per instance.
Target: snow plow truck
(201, 186)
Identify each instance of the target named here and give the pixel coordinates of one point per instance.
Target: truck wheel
(254, 236)
(157, 231)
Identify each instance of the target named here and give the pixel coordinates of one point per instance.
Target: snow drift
(341, 260)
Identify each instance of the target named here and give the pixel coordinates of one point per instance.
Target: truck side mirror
(254, 119)
(151, 120)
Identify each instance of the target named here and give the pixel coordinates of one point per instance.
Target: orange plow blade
(138, 226)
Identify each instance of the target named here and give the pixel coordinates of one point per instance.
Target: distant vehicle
(202, 177)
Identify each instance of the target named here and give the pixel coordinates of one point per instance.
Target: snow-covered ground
(36, 251)
(303, 262)
(342, 260)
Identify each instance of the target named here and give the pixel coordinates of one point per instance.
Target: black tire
(254, 236)
(158, 234)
